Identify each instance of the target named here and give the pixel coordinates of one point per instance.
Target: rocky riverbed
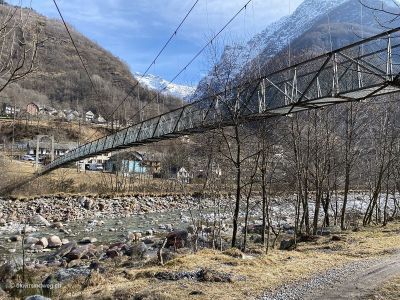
(106, 220)
(74, 235)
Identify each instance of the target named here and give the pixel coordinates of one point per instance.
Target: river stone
(286, 244)
(37, 297)
(63, 276)
(3, 222)
(36, 247)
(177, 239)
(39, 220)
(191, 229)
(28, 229)
(88, 204)
(78, 252)
(138, 250)
(64, 241)
(31, 240)
(65, 249)
(148, 240)
(82, 200)
(42, 242)
(58, 225)
(113, 253)
(134, 236)
(16, 238)
(75, 263)
(88, 240)
(9, 269)
(54, 241)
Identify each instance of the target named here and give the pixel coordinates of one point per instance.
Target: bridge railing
(362, 70)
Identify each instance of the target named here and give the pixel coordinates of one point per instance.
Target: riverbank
(212, 274)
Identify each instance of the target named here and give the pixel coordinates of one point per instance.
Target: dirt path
(356, 280)
(361, 283)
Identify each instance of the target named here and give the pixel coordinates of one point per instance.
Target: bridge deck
(356, 72)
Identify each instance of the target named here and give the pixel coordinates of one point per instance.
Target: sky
(135, 30)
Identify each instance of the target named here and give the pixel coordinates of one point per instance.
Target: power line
(76, 48)
(197, 54)
(155, 59)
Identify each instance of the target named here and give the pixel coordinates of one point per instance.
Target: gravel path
(352, 281)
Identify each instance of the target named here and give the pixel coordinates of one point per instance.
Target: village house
(72, 115)
(99, 160)
(89, 116)
(153, 166)
(9, 110)
(100, 120)
(60, 149)
(35, 109)
(181, 174)
(32, 109)
(127, 163)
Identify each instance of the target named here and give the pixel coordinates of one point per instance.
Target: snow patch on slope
(157, 83)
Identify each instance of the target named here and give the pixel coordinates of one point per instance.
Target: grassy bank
(251, 274)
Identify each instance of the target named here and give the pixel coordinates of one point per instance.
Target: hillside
(59, 79)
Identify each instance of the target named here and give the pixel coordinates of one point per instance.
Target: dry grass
(69, 181)
(261, 273)
(390, 291)
(62, 131)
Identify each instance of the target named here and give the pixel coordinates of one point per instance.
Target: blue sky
(135, 30)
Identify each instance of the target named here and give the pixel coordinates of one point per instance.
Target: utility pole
(38, 139)
(13, 131)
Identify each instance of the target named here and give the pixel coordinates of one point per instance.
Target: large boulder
(254, 228)
(31, 240)
(9, 269)
(16, 238)
(65, 249)
(78, 252)
(287, 244)
(137, 250)
(88, 204)
(42, 242)
(54, 241)
(62, 276)
(177, 239)
(39, 220)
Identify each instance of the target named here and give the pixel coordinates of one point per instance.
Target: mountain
(315, 26)
(60, 81)
(157, 83)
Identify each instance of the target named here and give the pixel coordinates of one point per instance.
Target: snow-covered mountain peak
(159, 84)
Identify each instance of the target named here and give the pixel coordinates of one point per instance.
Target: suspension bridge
(366, 69)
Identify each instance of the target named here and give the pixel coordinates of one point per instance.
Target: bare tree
(19, 41)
